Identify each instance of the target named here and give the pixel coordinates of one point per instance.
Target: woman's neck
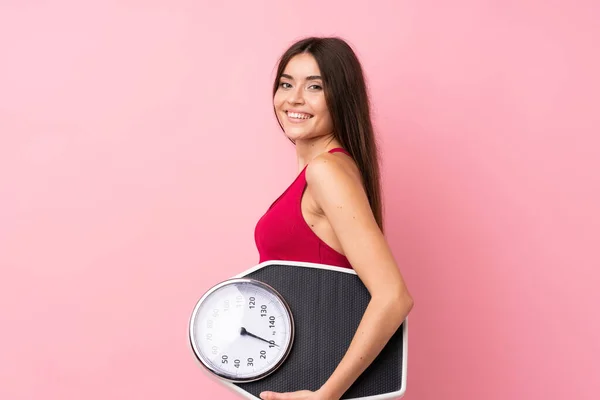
(308, 150)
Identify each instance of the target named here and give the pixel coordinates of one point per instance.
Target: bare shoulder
(333, 171)
(335, 184)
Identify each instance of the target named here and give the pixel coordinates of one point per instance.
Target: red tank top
(283, 234)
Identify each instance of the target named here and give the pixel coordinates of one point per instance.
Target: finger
(268, 395)
(275, 396)
(271, 395)
(284, 396)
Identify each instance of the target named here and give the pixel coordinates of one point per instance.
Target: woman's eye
(285, 85)
(315, 87)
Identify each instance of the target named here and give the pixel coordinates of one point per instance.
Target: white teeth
(298, 115)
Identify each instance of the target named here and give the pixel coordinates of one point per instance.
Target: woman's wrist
(327, 393)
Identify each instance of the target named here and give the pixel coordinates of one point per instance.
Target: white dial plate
(241, 330)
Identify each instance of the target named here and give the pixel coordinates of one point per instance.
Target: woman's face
(300, 100)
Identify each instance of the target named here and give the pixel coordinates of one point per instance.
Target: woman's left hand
(299, 395)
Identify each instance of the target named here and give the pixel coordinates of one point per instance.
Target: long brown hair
(348, 104)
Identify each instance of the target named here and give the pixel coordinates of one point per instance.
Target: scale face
(241, 330)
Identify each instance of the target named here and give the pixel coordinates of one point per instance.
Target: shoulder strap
(339, 149)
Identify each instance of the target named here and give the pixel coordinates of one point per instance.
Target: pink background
(135, 136)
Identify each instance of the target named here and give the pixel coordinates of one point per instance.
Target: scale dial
(241, 330)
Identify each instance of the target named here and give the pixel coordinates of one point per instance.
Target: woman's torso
(283, 232)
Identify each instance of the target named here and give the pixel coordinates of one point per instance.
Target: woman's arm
(340, 195)
(344, 202)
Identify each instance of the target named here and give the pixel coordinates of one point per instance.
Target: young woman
(332, 213)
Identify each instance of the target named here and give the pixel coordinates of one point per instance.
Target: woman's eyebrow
(308, 78)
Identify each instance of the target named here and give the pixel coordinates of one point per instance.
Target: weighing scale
(284, 326)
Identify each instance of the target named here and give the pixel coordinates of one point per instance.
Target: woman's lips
(297, 117)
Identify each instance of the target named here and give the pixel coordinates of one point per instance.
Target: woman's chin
(295, 134)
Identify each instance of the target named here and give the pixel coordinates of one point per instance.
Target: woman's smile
(297, 117)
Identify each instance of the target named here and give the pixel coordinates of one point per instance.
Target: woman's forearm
(382, 318)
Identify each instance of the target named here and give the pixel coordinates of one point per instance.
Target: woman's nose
(296, 96)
